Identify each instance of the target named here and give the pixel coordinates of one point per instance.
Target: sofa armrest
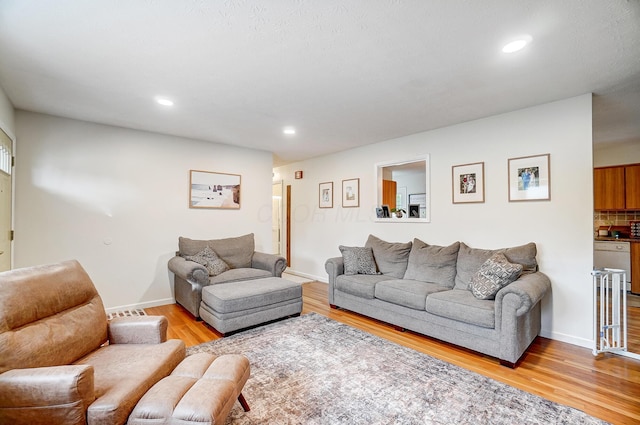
(334, 267)
(529, 288)
(138, 330)
(189, 270)
(61, 394)
(270, 262)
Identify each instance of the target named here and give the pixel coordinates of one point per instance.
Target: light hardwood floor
(607, 386)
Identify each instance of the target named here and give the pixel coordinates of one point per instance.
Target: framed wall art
(326, 195)
(209, 189)
(468, 183)
(529, 178)
(351, 193)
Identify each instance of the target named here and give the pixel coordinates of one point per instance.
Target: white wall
(117, 200)
(562, 227)
(606, 154)
(7, 118)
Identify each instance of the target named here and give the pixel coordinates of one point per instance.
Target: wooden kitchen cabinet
(608, 188)
(616, 188)
(632, 187)
(635, 267)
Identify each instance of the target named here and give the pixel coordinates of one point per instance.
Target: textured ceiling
(343, 73)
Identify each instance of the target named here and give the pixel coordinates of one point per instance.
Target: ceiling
(344, 73)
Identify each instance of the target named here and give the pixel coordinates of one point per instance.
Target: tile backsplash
(614, 218)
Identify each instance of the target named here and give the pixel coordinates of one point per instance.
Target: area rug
(313, 370)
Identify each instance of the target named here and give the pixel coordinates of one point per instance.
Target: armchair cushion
(236, 252)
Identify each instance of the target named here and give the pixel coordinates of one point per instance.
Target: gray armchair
(244, 263)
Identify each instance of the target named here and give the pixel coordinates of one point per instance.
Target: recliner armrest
(61, 394)
(189, 270)
(138, 330)
(270, 262)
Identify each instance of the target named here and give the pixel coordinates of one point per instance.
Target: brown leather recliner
(62, 362)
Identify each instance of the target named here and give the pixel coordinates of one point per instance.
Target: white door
(5, 201)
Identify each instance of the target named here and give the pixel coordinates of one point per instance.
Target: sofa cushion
(357, 260)
(236, 252)
(360, 285)
(494, 274)
(208, 258)
(470, 260)
(461, 305)
(406, 292)
(391, 257)
(432, 263)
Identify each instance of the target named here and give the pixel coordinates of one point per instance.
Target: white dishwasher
(613, 255)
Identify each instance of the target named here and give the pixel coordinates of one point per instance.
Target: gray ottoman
(232, 306)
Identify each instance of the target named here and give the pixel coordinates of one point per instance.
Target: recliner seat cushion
(124, 372)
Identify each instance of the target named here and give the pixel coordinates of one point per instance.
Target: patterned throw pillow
(358, 260)
(494, 274)
(208, 258)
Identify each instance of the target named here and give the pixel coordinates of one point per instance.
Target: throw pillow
(358, 260)
(208, 258)
(391, 257)
(494, 274)
(432, 263)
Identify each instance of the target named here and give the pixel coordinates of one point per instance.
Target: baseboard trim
(569, 339)
(306, 275)
(143, 305)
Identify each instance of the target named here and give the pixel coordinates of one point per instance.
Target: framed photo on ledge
(529, 178)
(468, 183)
(350, 193)
(326, 195)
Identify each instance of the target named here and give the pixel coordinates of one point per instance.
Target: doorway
(6, 160)
(276, 219)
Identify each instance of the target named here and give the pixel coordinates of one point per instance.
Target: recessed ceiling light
(164, 101)
(517, 44)
(289, 130)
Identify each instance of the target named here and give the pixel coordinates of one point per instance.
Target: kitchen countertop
(610, 239)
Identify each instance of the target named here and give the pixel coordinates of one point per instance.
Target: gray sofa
(199, 263)
(438, 291)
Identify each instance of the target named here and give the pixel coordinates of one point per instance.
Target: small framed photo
(326, 195)
(379, 212)
(468, 183)
(414, 210)
(529, 178)
(209, 189)
(386, 213)
(351, 193)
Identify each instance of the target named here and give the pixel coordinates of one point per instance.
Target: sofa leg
(507, 364)
(333, 306)
(243, 403)
(399, 328)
